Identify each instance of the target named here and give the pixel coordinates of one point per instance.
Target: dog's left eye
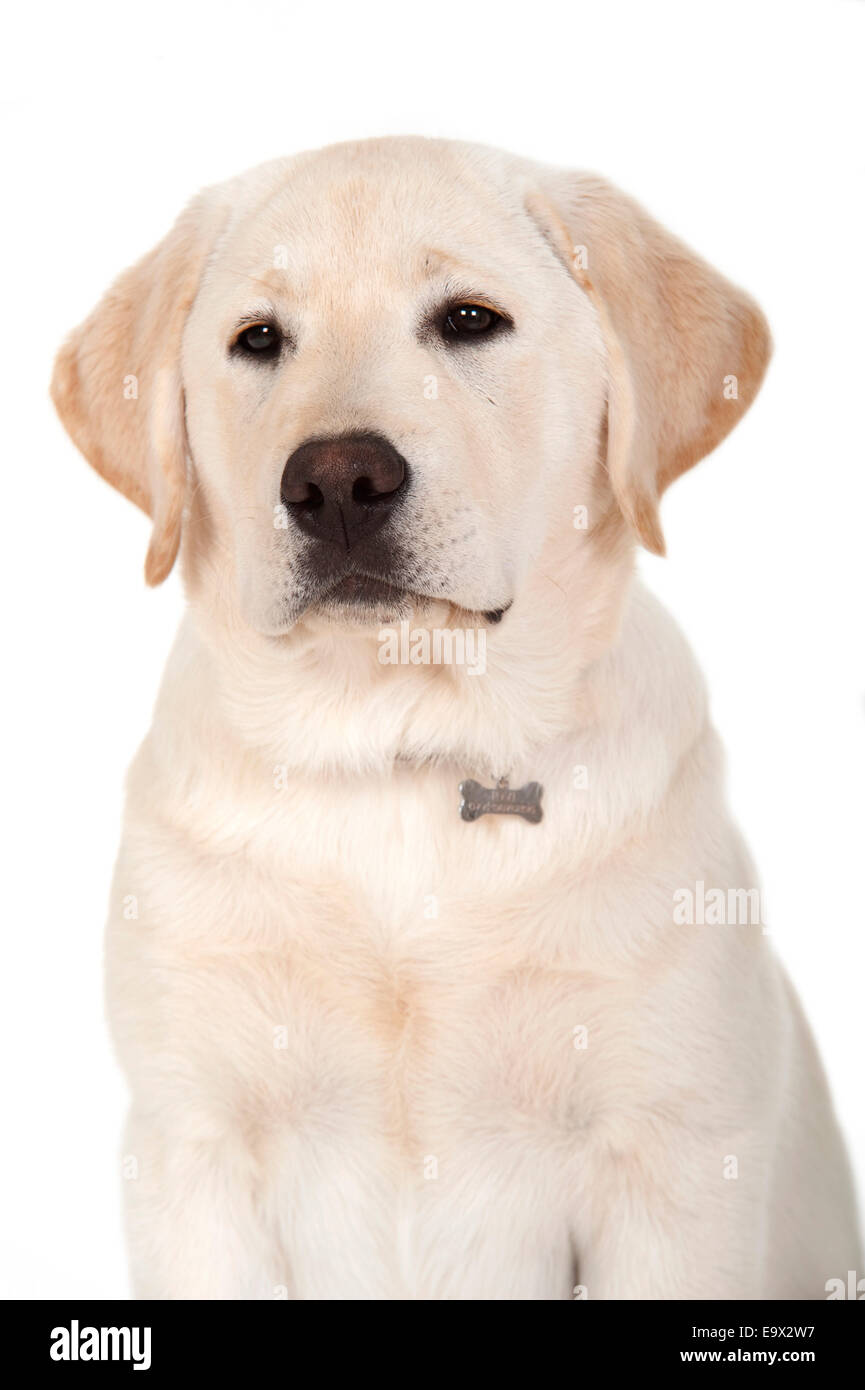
(261, 340)
(471, 321)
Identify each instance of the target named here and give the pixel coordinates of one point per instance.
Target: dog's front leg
(196, 1227)
(685, 1221)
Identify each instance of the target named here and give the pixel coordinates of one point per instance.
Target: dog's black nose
(343, 489)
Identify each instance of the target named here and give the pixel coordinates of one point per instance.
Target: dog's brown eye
(259, 340)
(470, 321)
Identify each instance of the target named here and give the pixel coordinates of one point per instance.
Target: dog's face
(388, 374)
(380, 377)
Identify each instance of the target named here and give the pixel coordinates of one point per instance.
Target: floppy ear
(117, 385)
(686, 349)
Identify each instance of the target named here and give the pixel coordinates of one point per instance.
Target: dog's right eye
(258, 340)
(465, 321)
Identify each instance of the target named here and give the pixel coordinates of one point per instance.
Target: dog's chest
(393, 1007)
(423, 1092)
(446, 1040)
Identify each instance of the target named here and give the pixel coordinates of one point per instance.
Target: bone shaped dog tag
(502, 800)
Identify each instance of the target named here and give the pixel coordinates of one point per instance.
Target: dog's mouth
(361, 597)
(355, 595)
(365, 590)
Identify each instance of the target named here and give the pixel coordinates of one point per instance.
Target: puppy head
(381, 378)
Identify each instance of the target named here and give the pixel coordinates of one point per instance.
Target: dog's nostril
(366, 491)
(313, 499)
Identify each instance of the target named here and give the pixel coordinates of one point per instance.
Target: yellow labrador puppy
(434, 960)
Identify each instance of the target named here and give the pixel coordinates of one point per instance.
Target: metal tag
(501, 800)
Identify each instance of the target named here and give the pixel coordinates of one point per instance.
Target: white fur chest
(385, 1014)
(385, 1018)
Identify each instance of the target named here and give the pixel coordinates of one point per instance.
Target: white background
(740, 125)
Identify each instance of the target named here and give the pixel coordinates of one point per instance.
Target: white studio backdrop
(739, 125)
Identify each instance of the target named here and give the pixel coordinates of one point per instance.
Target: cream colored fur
(376, 1052)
